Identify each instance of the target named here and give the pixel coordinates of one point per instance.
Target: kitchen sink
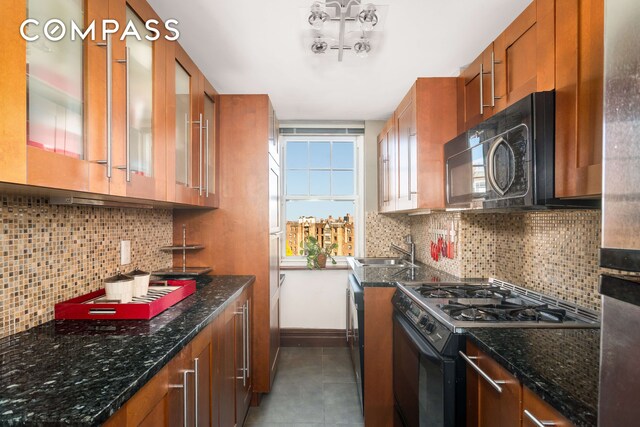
(382, 262)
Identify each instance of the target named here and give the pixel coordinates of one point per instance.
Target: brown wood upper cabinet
(142, 114)
(105, 111)
(524, 55)
(579, 91)
(520, 61)
(550, 45)
(414, 170)
(192, 133)
(386, 157)
(478, 91)
(50, 90)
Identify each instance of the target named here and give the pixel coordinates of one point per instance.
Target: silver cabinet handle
(185, 395)
(346, 329)
(409, 164)
(493, 83)
(200, 187)
(493, 383)
(248, 368)
(108, 46)
(383, 170)
(200, 126)
(244, 346)
(195, 389)
(127, 166)
(206, 156)
(187, 149)
(411, 192)
(536, 421)
(481, 88)
(493, 79)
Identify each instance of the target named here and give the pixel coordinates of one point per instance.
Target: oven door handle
(417, 339)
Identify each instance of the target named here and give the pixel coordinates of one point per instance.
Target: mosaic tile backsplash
(383, 229)
(553, 252)
(52, 253)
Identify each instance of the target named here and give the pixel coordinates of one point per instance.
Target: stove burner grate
(463, 291)
(505, 311)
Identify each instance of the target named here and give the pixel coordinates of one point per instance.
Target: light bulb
(367, 26)
(317, 23)
(362, 47)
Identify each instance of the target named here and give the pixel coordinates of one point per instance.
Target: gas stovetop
(491, 304)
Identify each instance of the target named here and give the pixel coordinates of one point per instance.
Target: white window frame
(358, 215)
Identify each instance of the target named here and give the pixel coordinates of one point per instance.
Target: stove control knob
(423, 322)
(430, 327)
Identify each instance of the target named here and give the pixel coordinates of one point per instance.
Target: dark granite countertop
(559, 365)
(81, 372)
(388, 276)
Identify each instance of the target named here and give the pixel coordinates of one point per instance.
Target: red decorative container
(94, 305)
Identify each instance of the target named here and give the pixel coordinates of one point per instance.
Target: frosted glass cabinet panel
(140, 98)
(55, 82)
(183, 134)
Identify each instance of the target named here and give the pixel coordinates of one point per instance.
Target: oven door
(423, 380)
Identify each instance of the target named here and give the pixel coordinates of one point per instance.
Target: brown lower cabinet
(496, 398)
(207, 384)
(378, 357)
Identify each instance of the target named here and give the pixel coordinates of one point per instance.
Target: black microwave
(507, 161)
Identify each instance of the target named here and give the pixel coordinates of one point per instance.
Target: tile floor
(314, 387)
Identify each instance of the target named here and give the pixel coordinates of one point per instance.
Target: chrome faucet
(411, 253)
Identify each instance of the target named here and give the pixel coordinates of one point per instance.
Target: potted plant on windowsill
(317, 255)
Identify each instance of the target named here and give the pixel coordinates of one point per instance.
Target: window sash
(358, 177)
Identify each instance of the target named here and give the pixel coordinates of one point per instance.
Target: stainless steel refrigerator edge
(619, 371)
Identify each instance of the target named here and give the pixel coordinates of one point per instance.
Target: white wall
(314, 299)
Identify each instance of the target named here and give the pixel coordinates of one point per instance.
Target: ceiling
(258, 46)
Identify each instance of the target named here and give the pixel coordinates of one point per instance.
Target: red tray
(87, 307)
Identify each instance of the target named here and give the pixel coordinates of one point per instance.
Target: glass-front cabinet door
(144, 101)
(182, 88)
(210, 194)
(56, 98)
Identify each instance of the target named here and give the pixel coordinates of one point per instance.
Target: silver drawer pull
(536, 421)
(185, 398)
(483, 374)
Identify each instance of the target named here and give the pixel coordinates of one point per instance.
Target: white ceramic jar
(140, 282)
(119, 287)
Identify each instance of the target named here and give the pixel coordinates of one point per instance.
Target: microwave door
(508, 163)
(466, 177)
(501, 166)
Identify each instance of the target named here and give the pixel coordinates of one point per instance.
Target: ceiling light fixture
(368, 18)
(350, 17)
(362, 47)
(318, 16)
(319, 45)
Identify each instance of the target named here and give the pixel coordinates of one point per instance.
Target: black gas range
(429, 324)
(491, 304)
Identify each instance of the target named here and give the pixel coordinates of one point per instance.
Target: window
(320, 193)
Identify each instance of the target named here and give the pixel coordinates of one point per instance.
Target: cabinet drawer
(535, 410)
